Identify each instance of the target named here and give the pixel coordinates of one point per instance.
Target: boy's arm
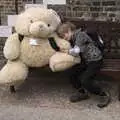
(81, 38)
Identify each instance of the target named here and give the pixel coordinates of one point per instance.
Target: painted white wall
(54, 2)
(35, 5)
(12, 20)
(5, 31)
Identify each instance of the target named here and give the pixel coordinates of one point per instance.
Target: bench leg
(119, 92)
(12, 89)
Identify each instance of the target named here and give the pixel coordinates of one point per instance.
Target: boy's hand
(74, 51)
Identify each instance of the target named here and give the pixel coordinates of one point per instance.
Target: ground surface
(45, 96)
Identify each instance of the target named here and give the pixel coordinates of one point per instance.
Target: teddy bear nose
(40, 26)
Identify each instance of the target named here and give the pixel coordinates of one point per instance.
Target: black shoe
(104, 100)
(79, 96)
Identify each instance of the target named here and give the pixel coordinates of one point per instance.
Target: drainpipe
(0, 15)
(34, 1)
(16, 6)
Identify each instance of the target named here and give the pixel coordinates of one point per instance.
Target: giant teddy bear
(29, 46)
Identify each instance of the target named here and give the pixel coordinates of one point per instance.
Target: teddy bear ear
(52, 11)
(55, 13)
(22, 23)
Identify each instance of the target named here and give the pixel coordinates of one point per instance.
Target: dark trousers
(84, 75)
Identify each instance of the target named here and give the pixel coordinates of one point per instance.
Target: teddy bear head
(37, 22)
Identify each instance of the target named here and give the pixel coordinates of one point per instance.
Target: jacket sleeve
(81, 38)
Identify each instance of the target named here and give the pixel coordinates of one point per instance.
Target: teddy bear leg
(13, 74)
(62, 61)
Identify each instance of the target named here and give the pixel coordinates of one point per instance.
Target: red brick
(95, 14)
(111, 9)
(96, 3)
(96, 9)
(108, 3)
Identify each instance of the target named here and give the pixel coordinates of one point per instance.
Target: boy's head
(66, 30)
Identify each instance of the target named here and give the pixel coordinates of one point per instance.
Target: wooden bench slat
(111, 65)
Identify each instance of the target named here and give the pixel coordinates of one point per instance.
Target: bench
(110, 32)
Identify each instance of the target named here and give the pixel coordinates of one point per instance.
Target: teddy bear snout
(40, 26)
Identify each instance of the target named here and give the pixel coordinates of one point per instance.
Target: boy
(85, 72)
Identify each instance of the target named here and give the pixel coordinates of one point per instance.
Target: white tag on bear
(33, 42)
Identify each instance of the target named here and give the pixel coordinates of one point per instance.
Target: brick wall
(2, 59)
(9, 7)
(90, 9)
(84, 9)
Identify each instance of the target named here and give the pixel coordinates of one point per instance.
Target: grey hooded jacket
(85, 45)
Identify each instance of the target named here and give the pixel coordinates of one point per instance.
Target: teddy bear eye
(31, 21)
(48, 25)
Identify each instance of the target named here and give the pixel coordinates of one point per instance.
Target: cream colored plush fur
(36, 25)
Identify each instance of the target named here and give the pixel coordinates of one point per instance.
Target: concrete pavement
(45, 96)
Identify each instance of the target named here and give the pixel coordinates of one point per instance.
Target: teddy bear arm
(11, 49)
(64, 46)
(62, 61)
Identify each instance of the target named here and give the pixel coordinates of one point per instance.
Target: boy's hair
(64, 28)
